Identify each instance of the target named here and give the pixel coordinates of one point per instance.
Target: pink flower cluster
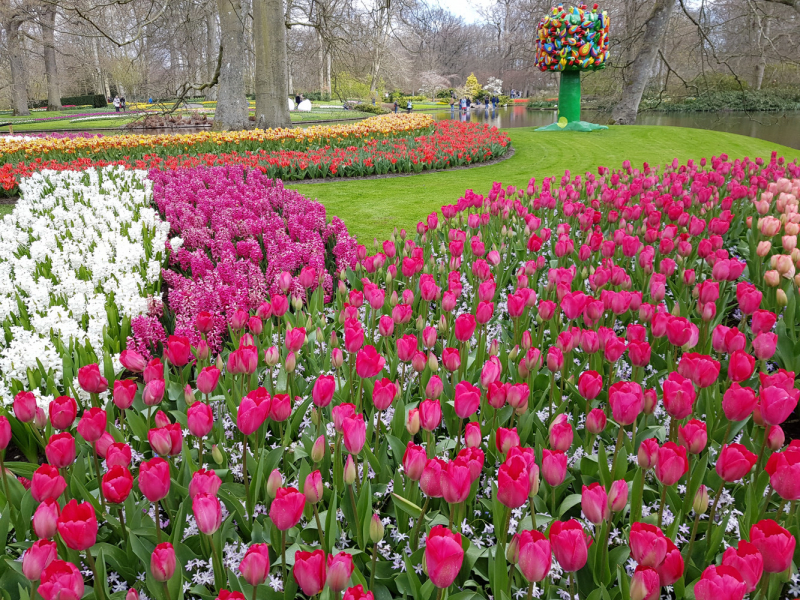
(240, 231)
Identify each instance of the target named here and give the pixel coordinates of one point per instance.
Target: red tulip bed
(570, 389)
(449, 144)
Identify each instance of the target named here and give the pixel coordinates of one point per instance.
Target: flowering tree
(494, 86)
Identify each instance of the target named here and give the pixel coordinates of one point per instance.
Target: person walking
(122, 103)
(116, 103)
(396, 107)
(409, 106)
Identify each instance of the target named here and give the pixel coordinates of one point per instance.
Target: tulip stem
(98, 585)
(200, 445)
(713, 512)
(790, 518)
(420, 520)
(460, 432)
(571, 586)
(319, 527)
(355, 510)
(158, 522)
(765, 585)
(505, 527)
(692, 537)
(661, 505)
(360, 393)
(616, 453)
(255, 590)
(374, 562)
(246, 479)
(727, 433)
(5, 484)
(99, 482)
(283, 556)
(779, 514)
(530, 590)
(761, 455)
(218, 568)
(166, 591)
(122, 523)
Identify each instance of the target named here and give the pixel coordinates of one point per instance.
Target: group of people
(119, 103)
(409, 106)
(466, 103)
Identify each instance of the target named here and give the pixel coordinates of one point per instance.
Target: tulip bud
(349, 470)
(775, 438)
(220, 363)
(700, 503)
(512, 550)
(494, 348)
(216, 454)
(375, 529)
(772, 278)
(132, 594)
(274, 481)
(40, 420)
(412, 423)
(202, 352)
(533, 475)
(188, 395)
(315, 417)
(618, 496)
(313, 488)
(514, 353)
(337, 358)
(271, 356)
(291, 363)
(443, 325)
(297, 303)
(781, 298)
(318, 449)
(433, 362)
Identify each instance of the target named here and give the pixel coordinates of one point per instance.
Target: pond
(781, 128)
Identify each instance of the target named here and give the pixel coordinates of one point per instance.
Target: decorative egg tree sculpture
(572, 40)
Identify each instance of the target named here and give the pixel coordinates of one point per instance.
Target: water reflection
(781, 128)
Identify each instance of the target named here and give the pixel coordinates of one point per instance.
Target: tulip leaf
(411, 575)
(5, 522)
(500, 571)
(338, 468)
(234, 506)
(716, 537)
(331, 524)
(364, 508)
(622, 580)
(602, 464)
(137, 424)
(568, 503)
(407, 506)
(695, 480)
(398, 450)
(179, 522)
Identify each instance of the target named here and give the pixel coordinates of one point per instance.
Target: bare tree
(272, 77)
(232, 107)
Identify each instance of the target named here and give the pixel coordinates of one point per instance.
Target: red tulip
(340, 568)
(309, 571)
(369, 363)
(596, 421)
(554, 467)
(467, 400)
(626, 400)
(505, 439)
(116, 484)
(647, 455)
(590, 384)
(414, 461)
(671, 464)
(431, 479)
(775, 543)
(741, 366)
(444, 556)
(207, 513)
(645, 584)
(474, 459)
(720, 583)
(693, 436)
(133, 361)
(734, 462)
(777, 404)
(37, 558)
(560, 434)
(45, 519)
(763, 321)
(671, 568)
(118, 453)
(430, 414)
(340, 413)
(178, 351)
(90, 379)
(355, 433)
(280, 408)
(513, 482)
(385, 391)
(154, 479)
(255, 564)
(25, 407)
(464, 327)
(594, 503)
(63, 411)
(47, 483)
(746, 559)
(61, 581)
(472, 435)
(163, 562)
(738, 402)
(701, 369)
(784, 472)
(679, 396)
(287, 508)
(253, 411)
(200, 419)
(60, 450)
(534, 555)
(154, 370)
(295, 338)
(357, 593)
(570, 544)
(207, 379)
(77, 525)
(648, 544)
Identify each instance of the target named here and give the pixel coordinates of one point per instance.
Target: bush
(445, 93)
(414, 98)
(369, 108)
(505, 99)
(94, 100)
(317, 96)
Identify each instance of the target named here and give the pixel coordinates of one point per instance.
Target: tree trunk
(48, 22)
(384, 17)
(212, 51)
(232, 110)
(328, 81)
(624, 112)
(19, 78)
(763, 41)
(272, 77)
(321, 55)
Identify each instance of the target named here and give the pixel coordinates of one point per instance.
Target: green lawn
(372, 208)
(5, 209)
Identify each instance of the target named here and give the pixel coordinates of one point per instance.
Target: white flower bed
(76, 243)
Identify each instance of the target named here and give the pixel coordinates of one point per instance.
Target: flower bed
(237, 232)
(551, 391)
(134, 147)
(451, 144)
(79, 257)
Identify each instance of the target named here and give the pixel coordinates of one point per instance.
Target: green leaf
(568, 503)
(602, 464)
(407, 506)
(636, 496)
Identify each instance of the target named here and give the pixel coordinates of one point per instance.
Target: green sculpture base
(569, 105)
(572, 126)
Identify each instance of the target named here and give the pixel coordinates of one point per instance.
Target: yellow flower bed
(136, 145)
